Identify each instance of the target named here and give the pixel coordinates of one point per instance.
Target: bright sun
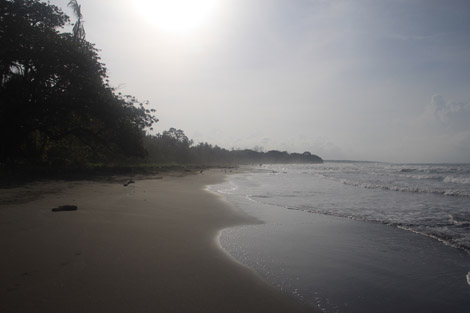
(176, 16)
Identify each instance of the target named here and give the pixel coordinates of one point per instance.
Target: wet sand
(336, 264)
(146, 247)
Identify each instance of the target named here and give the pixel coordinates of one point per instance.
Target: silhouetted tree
(78, 29)
(56, 106)
(205, 153)
(172, 146)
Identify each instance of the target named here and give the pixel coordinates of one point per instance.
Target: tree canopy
(56, 105)
(173, 146)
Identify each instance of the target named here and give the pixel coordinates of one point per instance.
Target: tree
(178, 136)
(170, 146)
(78, 29)
(56, 106)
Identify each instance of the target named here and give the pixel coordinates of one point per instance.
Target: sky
(377, 80)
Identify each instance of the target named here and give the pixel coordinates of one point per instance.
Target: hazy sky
(385, 80)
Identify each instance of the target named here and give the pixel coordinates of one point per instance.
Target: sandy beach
(147, 247)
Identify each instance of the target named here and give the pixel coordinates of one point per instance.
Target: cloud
(442, 131)
(452, 116)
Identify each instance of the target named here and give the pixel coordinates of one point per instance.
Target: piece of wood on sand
(66, 207)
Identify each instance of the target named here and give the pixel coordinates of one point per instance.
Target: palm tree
(78, 30)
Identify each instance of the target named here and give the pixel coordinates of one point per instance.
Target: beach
(150, 246)
(270, 239)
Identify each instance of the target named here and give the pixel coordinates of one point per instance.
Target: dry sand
(147, 247)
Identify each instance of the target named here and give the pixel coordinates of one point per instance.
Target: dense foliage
(174, 146)
(56, 106)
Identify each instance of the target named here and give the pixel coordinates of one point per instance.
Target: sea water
(357, 236)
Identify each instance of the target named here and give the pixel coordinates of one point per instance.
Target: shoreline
(340, 264)
(148, 247)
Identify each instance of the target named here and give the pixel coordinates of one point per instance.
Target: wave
(444, 178)
(260, 196)
(457, 180)
(457, 221)
(413, 189)
(432, 232)
(445, 239)
(424, 176)
(463, 169)
(408, 170)
(443, 218)
(230, 189)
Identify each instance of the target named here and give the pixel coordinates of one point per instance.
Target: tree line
(57, 107)
(174, 146)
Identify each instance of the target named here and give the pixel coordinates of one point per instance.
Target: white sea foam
(423, 176)
(457, 180)
(226, 188)
(414, 197)
(409, 188)
(459, 222)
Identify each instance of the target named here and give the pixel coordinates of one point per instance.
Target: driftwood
(129, 182)
(66, 207)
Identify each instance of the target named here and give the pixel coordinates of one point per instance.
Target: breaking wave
(414, 189)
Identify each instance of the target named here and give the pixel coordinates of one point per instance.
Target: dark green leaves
(56, 106)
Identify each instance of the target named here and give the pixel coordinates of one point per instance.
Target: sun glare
(176, 16)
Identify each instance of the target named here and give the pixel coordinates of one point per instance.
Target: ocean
(357, 236)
